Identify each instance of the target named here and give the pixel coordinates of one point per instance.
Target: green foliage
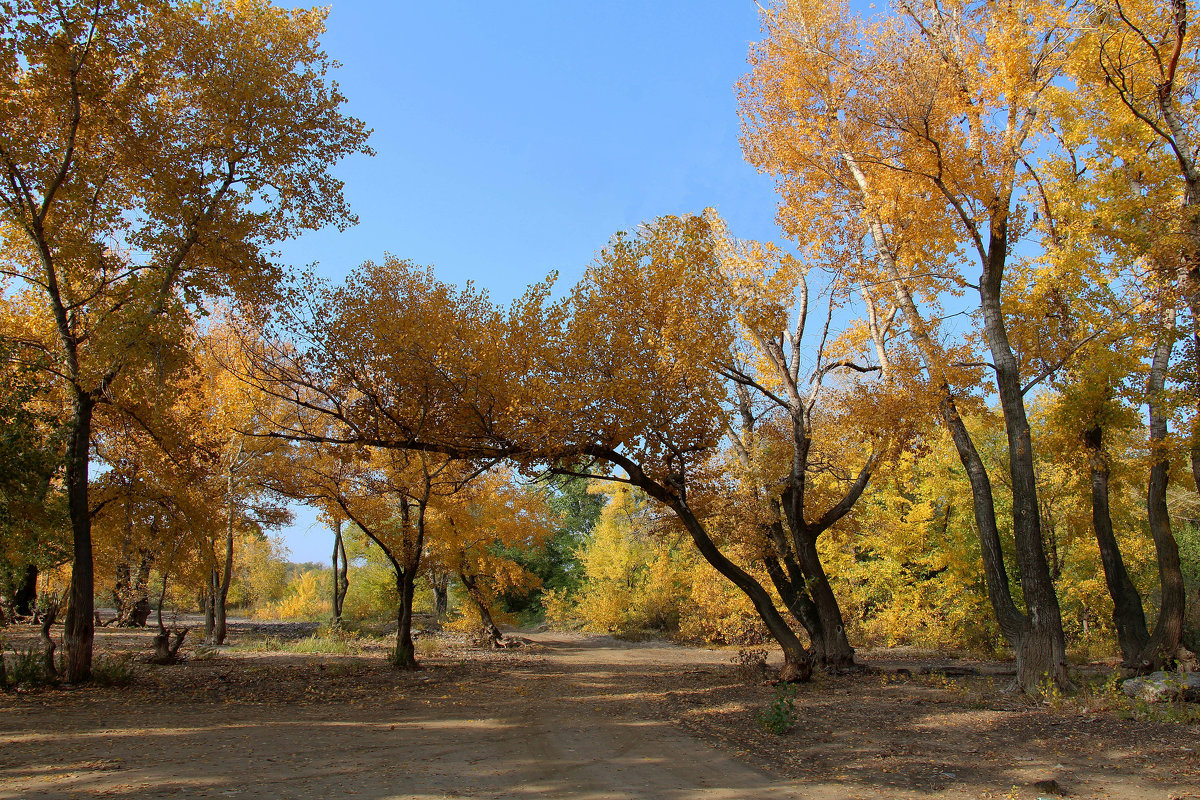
(1105, 694)
(779, 717)
(557, 563)
(33, 512)
(1188, 537)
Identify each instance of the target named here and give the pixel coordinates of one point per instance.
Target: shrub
(28, 668)
(307, 598)
(780, 715)
(115, 670)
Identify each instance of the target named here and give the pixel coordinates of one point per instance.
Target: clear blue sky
(514, 138)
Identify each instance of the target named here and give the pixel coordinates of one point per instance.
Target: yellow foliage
(637, 577)
(307, 598)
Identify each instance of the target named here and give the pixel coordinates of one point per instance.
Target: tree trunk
(337, 541)
(797, 661)
(166, 650)
(341, 580)
(441, 599)
(1013, 624)
(836, 652)
(79, 626)
(1041, 600)
(25, 597)
(791, 588)
(1128, 616)
(210, 607)
(405, 654)
(48, 646)
(490, 629)
(139, 612)
(121, 586)
(1163, 646)
(222, 589)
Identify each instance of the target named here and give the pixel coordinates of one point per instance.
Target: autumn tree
(235, 423)
(808, 437)
(918, 124)
(1120, 200)
(478, 527)
(651, 327)
(390, 495)
(151, 152)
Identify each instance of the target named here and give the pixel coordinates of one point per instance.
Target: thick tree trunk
(25, 597)
(1164, 643)
(1044, 648)
(790, 585)
(836, 652)
(79, 626)
(1128, 616)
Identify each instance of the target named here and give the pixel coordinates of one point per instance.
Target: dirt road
(570, 716)
(558, 724)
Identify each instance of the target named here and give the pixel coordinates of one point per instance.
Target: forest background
(845, 473)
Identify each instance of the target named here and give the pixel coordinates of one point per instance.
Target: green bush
(780, 715)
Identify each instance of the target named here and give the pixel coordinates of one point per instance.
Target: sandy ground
(568, 716)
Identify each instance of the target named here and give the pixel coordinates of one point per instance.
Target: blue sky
(514, 138)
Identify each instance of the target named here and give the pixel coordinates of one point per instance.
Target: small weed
(113, 670)
(204, 652)
(945, 683)
(1050, 694)
(1107, 695)
(428, 647)
(780, 715)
